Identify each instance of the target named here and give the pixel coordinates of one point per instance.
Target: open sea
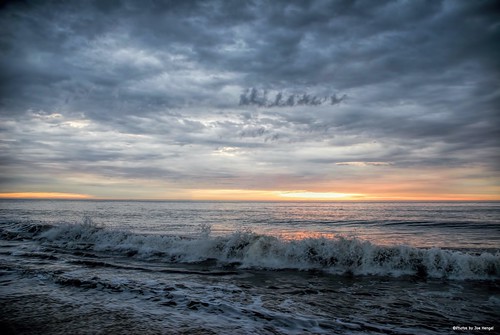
(132, 267)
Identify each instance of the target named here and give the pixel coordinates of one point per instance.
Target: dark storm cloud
(92, 84)
(82, 53)
(265, 99)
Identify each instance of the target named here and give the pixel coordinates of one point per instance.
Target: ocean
(151, 267)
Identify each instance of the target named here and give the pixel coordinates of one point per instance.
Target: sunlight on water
(303, 235)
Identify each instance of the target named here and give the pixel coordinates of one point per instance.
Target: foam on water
(245, 249)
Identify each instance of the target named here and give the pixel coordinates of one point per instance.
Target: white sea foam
(245, 249)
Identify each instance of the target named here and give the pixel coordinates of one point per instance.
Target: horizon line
(257, 196)
(247, 201)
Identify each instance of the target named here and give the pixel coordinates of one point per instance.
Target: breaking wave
(248, 250)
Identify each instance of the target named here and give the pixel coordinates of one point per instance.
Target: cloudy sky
(250, 99)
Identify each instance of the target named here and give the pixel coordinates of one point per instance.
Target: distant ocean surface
(139, 267)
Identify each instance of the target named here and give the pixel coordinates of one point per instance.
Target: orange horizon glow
(44, 195)
(303, 195)
(321, 195)
(261, 195)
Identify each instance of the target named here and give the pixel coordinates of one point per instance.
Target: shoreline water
(261, 302)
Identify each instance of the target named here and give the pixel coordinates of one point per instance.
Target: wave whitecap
(245, 249)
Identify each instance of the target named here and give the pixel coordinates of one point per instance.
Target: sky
(250, 100)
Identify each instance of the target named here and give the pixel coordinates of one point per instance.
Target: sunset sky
(250, 100)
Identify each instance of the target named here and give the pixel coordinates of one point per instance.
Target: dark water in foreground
(90, 267)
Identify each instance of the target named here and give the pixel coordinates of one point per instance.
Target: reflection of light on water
(379, 238)
(303, 235)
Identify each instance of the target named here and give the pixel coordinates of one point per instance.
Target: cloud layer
(98, 97)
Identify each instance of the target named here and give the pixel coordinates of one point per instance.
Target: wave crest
(245, 249)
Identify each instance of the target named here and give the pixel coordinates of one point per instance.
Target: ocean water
(131, 267)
